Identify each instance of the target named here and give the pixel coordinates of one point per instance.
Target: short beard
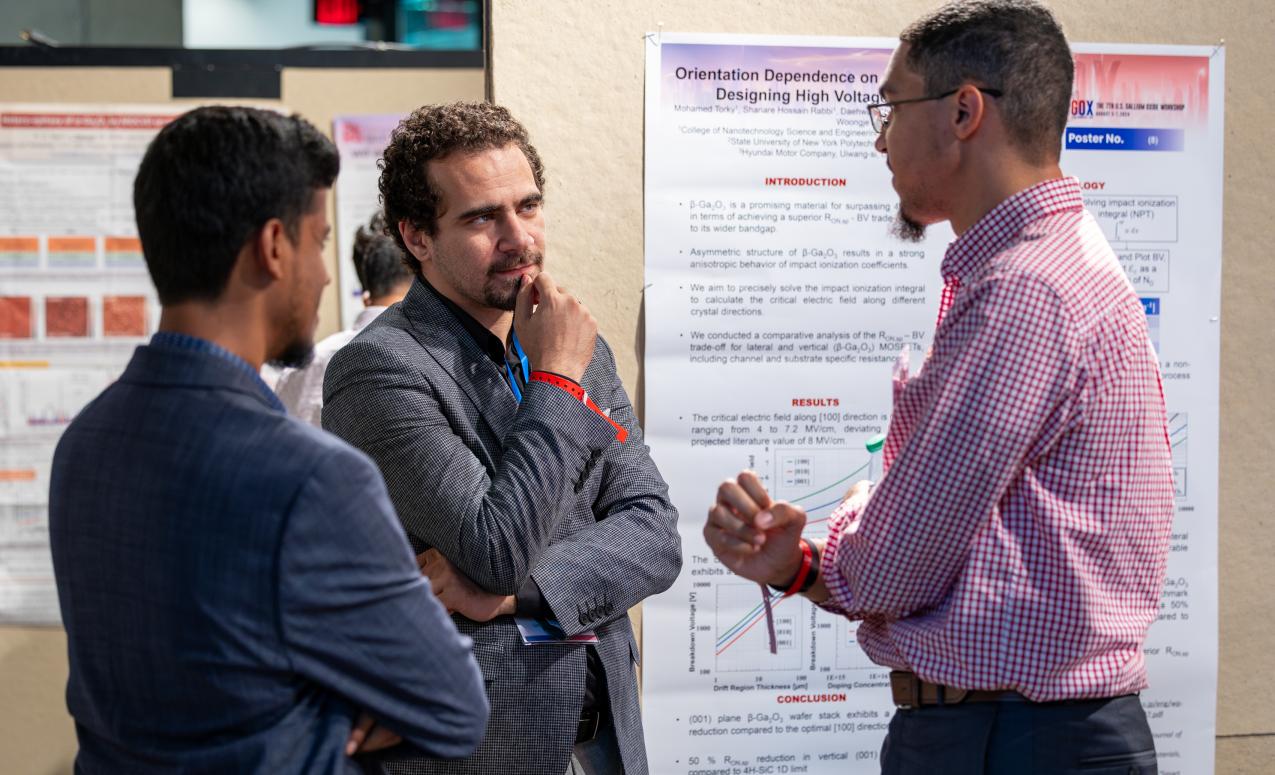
(906, 228)
(505, 298)
(297, 355)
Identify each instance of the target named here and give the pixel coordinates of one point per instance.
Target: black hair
(434, 132)
(378, 260)
(1015, 46)
(210, 180)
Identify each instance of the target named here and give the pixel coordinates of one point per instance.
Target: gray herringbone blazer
(506, 490)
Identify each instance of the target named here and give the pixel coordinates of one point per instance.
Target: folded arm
(357, 617)
(492, 527)
(633, 549)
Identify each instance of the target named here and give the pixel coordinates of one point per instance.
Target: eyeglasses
(879, 113)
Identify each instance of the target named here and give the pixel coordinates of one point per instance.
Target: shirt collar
(171, 340)
(1006, 222)
(367, 315)
(486, 340)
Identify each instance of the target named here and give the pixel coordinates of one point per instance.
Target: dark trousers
(1016, 737)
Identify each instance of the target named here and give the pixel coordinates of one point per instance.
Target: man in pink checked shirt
(1009, 562)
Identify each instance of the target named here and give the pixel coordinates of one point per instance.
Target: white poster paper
(75, 300)
(360, 140)
(776, 304)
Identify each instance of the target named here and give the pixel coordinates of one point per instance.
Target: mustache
(525, 258)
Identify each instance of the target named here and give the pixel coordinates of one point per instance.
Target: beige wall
(36, 735)
(573, 71)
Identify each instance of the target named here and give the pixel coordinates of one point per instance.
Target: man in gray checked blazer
(510, 448)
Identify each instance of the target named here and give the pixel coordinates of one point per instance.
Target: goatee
(504, 298)
(906, 228)
(296, 355)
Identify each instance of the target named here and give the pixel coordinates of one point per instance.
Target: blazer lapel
(438, 332)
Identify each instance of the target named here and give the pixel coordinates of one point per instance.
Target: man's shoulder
(217, 422)
(1067, 257)
(389, 334)
(331, 344)
(218, 447)
(386, 343)
(1058, 245)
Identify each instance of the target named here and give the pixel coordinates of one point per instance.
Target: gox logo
(1082, 108)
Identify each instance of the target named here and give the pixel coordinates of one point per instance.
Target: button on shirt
(1019, 536)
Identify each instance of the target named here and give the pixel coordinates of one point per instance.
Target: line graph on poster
(817, 479)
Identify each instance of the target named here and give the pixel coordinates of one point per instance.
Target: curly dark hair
(434, 132)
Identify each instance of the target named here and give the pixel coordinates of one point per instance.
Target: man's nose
(880, 143)
(515, 235)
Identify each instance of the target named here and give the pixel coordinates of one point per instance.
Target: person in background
(385, 277)
(235, 587)
(1008, 564)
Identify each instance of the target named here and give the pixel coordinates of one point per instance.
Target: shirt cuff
(840, 600)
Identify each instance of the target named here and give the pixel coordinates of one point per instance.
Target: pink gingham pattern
(1018, 538)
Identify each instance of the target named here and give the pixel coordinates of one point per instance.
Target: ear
(418, 243)
(273, 247)
(969, 111)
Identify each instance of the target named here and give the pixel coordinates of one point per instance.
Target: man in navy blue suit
(235, 586)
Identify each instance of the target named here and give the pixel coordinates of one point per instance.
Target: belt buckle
(590, 722)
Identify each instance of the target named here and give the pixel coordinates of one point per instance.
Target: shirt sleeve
(1005, 370)
(358, 618)
(843, 519)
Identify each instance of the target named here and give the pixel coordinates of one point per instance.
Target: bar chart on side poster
(777, 303)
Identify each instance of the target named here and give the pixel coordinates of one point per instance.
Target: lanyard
(522, 362)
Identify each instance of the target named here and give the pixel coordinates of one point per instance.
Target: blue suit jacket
(235, 585)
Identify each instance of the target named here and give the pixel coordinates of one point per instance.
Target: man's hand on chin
(457, 593)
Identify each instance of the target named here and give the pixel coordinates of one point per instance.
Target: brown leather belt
(912, 692)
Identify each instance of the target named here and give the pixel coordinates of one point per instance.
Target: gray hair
(1016, 46)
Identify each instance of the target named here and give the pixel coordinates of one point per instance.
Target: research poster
(360, 141)
(75, 300)
(777, 303)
